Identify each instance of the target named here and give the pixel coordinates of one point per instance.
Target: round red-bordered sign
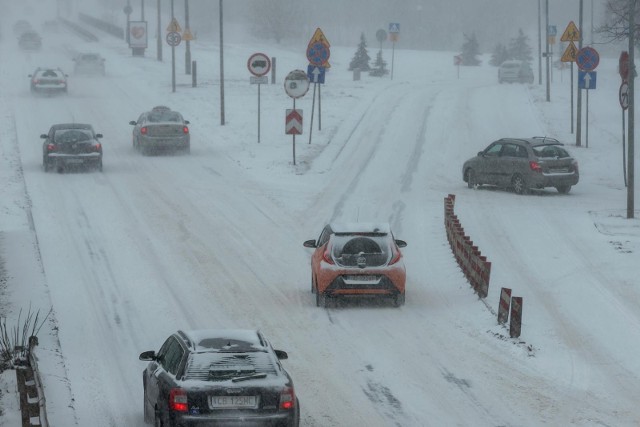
(623, 95)
(259, 64)
(623, 65)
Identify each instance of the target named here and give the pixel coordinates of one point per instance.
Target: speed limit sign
(623, 95)
(174, 38)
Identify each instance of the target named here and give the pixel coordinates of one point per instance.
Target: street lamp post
(221, 71)
(187, 53)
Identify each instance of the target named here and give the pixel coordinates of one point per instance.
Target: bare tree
(616, 26)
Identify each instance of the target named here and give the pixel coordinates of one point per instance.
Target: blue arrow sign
(587, 79)
(315, 74)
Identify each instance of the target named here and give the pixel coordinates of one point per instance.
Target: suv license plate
(353, 278)
(225, 402)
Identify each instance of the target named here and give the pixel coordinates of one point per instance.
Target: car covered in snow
(357, 260)
(522, 164)
(221, 377)
(89, 63)
(71, 146)
(48, 80)
(160, 129)
(30, 40)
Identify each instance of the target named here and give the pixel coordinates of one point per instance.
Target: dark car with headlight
(523, 164)
(161, 129)
(357, 260)
(70, 146)
(218, 377)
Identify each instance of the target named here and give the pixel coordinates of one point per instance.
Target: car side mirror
(281, 354)
(98, 135)
(44, 136)
(401, 243)
(310, 244)
(133, 123)
(30, 75)
(186, 122)
(148, 355)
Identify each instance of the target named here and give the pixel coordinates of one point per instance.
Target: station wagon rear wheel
(471, 178)
(518, 184)
(563, 189)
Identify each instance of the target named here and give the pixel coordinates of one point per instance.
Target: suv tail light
(287, 398)
(143, 130)
(178, 400)
(51, 147)
(535, 166)
(326, 255)
(185, 129)
(396, 255)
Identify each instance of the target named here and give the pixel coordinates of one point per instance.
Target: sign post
(318, 53)
(623, 95)
(259, 64)
(394, 34)
(296, 85)
(173, 39)
(587, 60)
(571, 34)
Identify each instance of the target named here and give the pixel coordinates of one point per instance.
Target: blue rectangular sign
(587, 79)
(315, 74)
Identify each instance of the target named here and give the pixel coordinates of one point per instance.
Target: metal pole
(222, 71)
(319, 108)
(259, 112)
(630, 110)
(586, 121)
(571, 90)
(579, 102)
(128, 22)
(294, 135)
(159, 35)
(624, 151)
(313, 107)
(142, 10)
(187, 53)
(173, 58)
(539, 48)
(546, 49)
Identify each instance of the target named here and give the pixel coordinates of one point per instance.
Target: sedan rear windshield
(164, 116)
(72, 135)
(358, 251)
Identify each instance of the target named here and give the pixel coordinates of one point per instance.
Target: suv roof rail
(546, 138)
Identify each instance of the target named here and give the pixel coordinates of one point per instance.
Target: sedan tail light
(185, 129)
(97, 147)
(143, 130)
(178, 400)
(535, 166)
(287, 398)
(51, 147)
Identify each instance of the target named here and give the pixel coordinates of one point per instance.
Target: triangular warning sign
(318, 37)
(570, 53)
(571, 33)
(187, 35)
(174, 27)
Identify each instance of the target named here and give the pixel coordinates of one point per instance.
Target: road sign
(296, 84)
(315, 74)
(318, 36)
(394, 27)
(318, 53)
(571, 33)
(174, 38)
(128, 10)
(552, 30)
(587, 59)
(255, 80)
(293, 122)
(174, 27)
(186, 35)
(623, 95)
(570, 53)
(381, 35)
(587, 80)
(259, 64)
(623, 65)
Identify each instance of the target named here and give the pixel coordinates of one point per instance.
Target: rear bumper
(554, 180)
(74, 160)
(157, 143)
(391, 281)
(205, 420)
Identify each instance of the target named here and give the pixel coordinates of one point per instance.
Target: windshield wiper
(249, 377)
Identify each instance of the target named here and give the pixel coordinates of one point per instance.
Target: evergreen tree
(499, 55)
(361, 58)
(519, 48)
(470, 50)
(380, 66)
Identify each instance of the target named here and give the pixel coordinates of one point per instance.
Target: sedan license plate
(229, 402)
(354, 278)
(75, 161)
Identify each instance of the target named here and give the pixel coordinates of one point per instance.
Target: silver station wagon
(523, 164)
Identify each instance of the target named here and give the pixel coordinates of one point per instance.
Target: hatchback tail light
(396, 255)
(178, 400)
(326, 255)
(535, 166)
(287, 398)
(143, 130)
(185, 129)
(97, 147)
(51, 147)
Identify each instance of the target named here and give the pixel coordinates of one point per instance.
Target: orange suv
(358, 259)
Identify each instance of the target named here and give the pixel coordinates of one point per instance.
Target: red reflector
(185, 129)
(143, 130)
(178, 400)
(535, 166)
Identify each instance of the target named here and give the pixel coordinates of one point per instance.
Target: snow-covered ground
(214, 239)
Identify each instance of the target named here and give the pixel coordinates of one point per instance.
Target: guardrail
(474, 265)
(32, 401)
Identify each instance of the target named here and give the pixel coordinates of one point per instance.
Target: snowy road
(214, 239)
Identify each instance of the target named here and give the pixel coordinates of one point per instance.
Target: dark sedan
(71, 146)
(523, 164)
(228, 377)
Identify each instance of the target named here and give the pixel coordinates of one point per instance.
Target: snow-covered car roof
(360, 227)
(224, 339)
